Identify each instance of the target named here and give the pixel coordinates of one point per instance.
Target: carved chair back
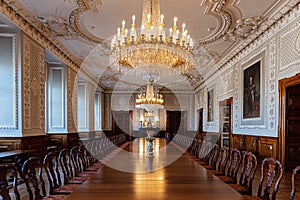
(214, 155)
(6, 170)
(269, 168)
(295, 171)
(31, 173)
(199, 143)
(75, 160)
(51, 167)
(65, 163)
(223, 159)
(208, 151)
(234, 163)
(249, 167)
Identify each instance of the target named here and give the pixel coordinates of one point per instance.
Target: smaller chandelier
(152, 45)
(149, 101)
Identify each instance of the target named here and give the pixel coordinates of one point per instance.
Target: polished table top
(168, 175)
(12, 153)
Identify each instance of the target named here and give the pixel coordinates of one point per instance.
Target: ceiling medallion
(151, 46)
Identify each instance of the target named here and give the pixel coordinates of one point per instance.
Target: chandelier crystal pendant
(149, 101)
(152, 45)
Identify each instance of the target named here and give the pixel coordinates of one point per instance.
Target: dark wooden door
(176, 121)
(200, 122)
(121, 122)
(292, 126)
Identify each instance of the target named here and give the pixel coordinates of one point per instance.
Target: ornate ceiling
(221, 29)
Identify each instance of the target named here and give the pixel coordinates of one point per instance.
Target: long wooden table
(182, 179)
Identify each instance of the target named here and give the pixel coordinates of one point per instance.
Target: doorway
(176, 122)
(121, 122)
(225, 123)
(292, 133)
(289, 121)
(200, 121)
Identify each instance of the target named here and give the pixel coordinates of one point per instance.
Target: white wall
(279, 50)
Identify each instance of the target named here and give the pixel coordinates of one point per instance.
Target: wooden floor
(144, 178)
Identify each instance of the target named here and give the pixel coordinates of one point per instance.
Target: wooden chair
(205, 153)
(295, 171)
(67, 169)
(222, 162)
(213, 158)
(50, 164)
(86, 160)
(234, 163)
(249, 167)
(77, 163)
(269, 168)
(31, 173)
(6, 170)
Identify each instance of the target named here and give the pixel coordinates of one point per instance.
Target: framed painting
(210, 105)
(251, 91)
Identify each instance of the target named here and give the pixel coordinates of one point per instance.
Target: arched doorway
(289, 121)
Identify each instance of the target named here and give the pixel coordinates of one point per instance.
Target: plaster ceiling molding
(77, 18)
(244, 27)
(193, 79)
(217, 9)
(57, 26)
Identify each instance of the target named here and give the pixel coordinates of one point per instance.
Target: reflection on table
(180, 179)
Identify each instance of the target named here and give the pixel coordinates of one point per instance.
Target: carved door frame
(283, 84)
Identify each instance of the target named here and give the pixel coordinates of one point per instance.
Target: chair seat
(247, 197)
(216, 172)
(55, 197)
(98, 163)
(240, 189)
(85, 174)
(201, 162)
(66, 189)
(207, 167)
(92, 168)
(77, 180)
(226, 179)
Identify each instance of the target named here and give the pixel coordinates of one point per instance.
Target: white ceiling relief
(85, 27)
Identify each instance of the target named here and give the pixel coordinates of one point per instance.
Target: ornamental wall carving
(281, 60)
(72, 100)
(33, 82)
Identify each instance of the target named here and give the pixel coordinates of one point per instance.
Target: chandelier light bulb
(133, 19)
(175, 21)
(162, 19)
(148, 17)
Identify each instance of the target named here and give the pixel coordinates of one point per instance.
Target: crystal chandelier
(152, 46)
(149, 101)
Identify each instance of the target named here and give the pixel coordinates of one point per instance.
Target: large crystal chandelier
(149, 100)
(152, 46)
